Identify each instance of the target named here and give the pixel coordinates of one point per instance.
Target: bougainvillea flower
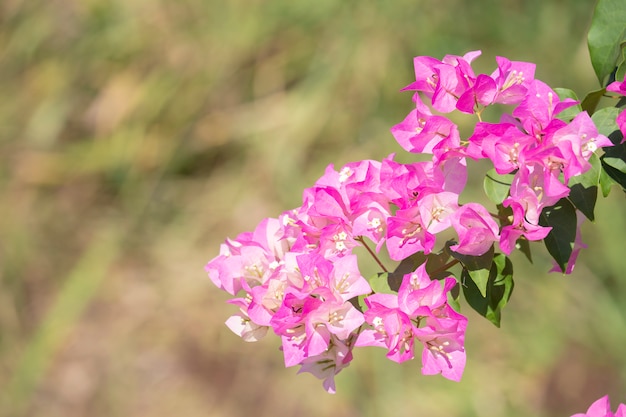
(417, 290)
(329, 363)
(323, 318)
(297, 274)
(425, 75)
(578, 245)
(539, 108)
(617, 87)
(407, 234)
(482, 93)
(476, 229)
(392, 327)
(443, 339)
(450, 86)
(519, 228)
(412, 125)
(576, 142)
(502, 143)
(419, 311)
(512, 79)
(421, 134)
(435, 210)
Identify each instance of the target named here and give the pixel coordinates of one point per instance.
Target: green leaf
(359, 302)
(616, 175)
(591, 100)
(476, 267)
(524, 246)
(505, 215)
(604, 119)
(621, 66)
(435, 263)
(499, 289)
(568, 114)
(584, 199)
(560, 241)
(605, 37)
(614, 159)
(502, 288)
(453, 297)
(497, 186)
(472, 262)
(617, 163)
(380, 284)
(480, 277)
(606, 182)
(584, 188)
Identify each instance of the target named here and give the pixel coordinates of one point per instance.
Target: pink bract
(476, 229)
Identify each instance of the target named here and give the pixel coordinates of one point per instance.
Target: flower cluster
(298, 274)
(541, 150)
(602, 408)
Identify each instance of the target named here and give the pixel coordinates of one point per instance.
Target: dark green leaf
(584, 199)
(497, 186)
(472, 262)
(406, 266)
(524, 246)
(359, 303)
(616, 137)
(560, 241)
(499, 289)
(505, 215)
(472, 294)
(584, 188)
(616, 175)
(568, 114)
(591, 100)
(606, 34)
(480, 277)
(476, 267)
(617, 163)
(435, 267)
(614, 160)
(502, 288)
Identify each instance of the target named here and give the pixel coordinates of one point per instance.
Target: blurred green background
(137, 135)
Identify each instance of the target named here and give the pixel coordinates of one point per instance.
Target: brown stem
(446, 266)
(360, 239)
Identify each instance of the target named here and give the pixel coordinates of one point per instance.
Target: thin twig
(446, 266)
(360, 239)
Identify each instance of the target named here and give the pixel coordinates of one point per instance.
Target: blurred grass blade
(78, 290)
